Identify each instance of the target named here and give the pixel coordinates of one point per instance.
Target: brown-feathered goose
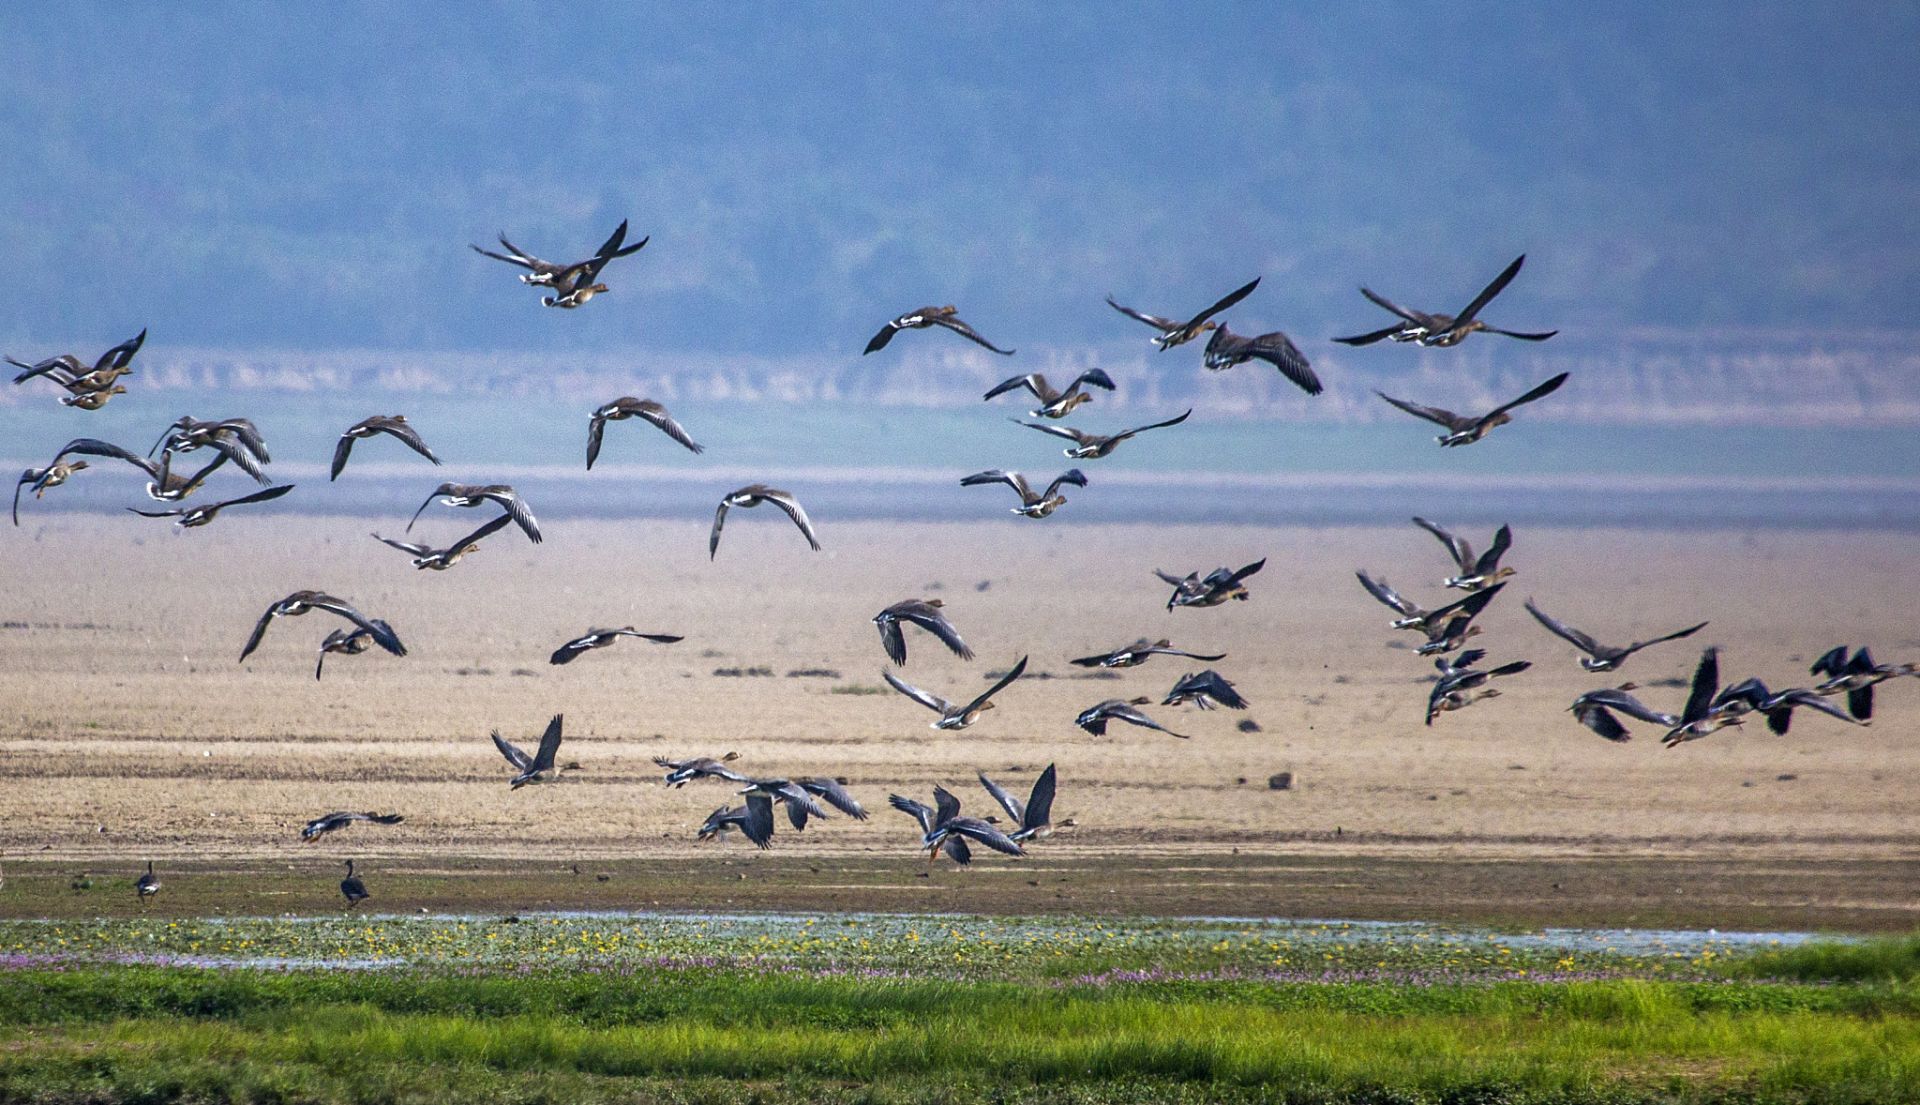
(60, 469)
(1601, 657)
(1460, 685)
(1753, 696)
(539, 767)
(345, 642)
(754, 820)
(1088, 446)
(439, 560)
(1465, 429)
(1139, 652)
(930, 316)
(1699, 718)
(1226, 349)
(472, 495)
(1032, 819)
(627, 407)
(341, 819)
(1205, 689)
(1031, 505)
(395, 425)
(952, 716)
(1476, 572)
(1444, 634)
(681, 772)
(67, 368)
(301, 602)
(1217, 587)
(928, 614)
(1443, 330)
(753, 495)
(601, 638)
(193, 516)
(1595, 710)
(1094, 718)
(573, 285)
(942, 828)
(1174, 332)
(1055, 404)
(1856, 677)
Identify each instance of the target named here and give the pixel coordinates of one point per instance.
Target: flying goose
(801, 797)
(627, 407)
(537, 768)
(572, 284)
(1449, 633)
(1752, 696)
(352, 888)
(753, 821)
(342, 819)
(753, 495)
(1417, 618)
(115, 360)
(189, 433)
(1054, 404)
(942, 828)
(346, 642)
(1455, 690)
(929, 615)
(1173, 332)
(1226, 349)
(1094, 718)
(1595, 710)
(1601, 657)
(164, 485)
(1220, 585)
(1031, 505)
(1032, 819)
(194, 516)
(1700, 718)
(426, 556)
(1088, 446)
(1139, 652)
(1476, 572)
(300, 602)
(92, 400)
(60, 469)
(1467, 429)
(1856, 676)
(147, 885)
(601, 638)
(395, 425)
(1443, 330)
(1204, 689)
(930, 316)
(952, 716)
(680, 772)
(471, 495)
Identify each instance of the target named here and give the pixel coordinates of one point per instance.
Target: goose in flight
(1461, 685)
(193, 516)
(342, 819)
(67, 369)
(1219, 585)
(1031, 505)
(239, 438)
(1055, 404)
(1444, 330)
(1595, 710)
(627, 407)
(1226, 349)
(1601, 657)
(802, 798)
(301, 602)
(1032, 819)
(147, 885)
(753, 495)
(1416, 618)
(930, 316)
(1088, 446)
(572, 284)
(952, 716)
(601, 638)
(1139, 652)
(395, 425)
(346, 642)
(352, 889)
(537, 768)
(426, 556)
(1174, 332)
(472, 495)
(92, 400)
(1699, 718)
(1205, 689)
(928, 614)
(1449, 633)
(1477, 573)
(1467, 429)
(942, 828)
(1856, 677)
(60, 470)
(1094, 718)
(681, 772)
(1752, 696)
(754, 820)
(164, 485)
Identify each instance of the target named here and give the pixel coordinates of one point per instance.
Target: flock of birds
(1852, 673)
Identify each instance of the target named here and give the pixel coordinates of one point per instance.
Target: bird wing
(1566, 632)
(407, 547)
(1224, 302)
(879, 341)
(931, 701)
(1072, 475)
(1595, 717)
(657, 414)
(994, 475)
(1833, 662)
(1164, 325)
(1128, 714)
(1125, 434)
(757, 826)
(785, 501)
(1537, 336)
(121, 355)
(1251, 569)
(1215, 686)
(549, 744)
(955, 846)
(1032, 381)
(836, 796)
(516, 508)
(967, 332)
(1800, 696)
(936, 623)
(1386, 595)
(1067, 432)
(946, 807)
(94, 447)
(239, 455)
(492, 526)
(383, 634)
(1418, 318)
(1487, 293)
(1674, 636)
(517, 258)
(1008, 802)
(1706, 679)
(1445, 418)
(1277, 350)
(1371, 337)
(520, 760)
(260, 496)
(1040, 801)
(1489, 560)
(443, 489)
(891, 638)
(1092, 377)
(977, 830)
(596, 429)
(1543, 390)
(408, 436)
(719, 522)
(1019, 669)
(1461, 552)
(916, 810)
(1615, 699)
(341, 450)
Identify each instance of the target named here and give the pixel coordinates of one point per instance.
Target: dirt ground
(128, 732)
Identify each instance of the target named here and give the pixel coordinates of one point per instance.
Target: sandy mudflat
(121, 705)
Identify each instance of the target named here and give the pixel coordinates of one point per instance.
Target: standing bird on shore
(195, 516)
(439, 560)
(1054, 404)
(1204, 689)
(1088, 446)
(352, 888)
(472, 495)
(1032, 819)
(952, 716)
(573, 285)
(1094, 718)
(627, 407)
(147, 885)
(1031, 505)
(1139, 652)
(301, 602)
(752, 495)
(925, 317)
(1444, 330)
(1174, 332)
(601, 638)
(1477, 573)
(1601, 657)
(395, 425)
(1227, 349)
(537, 768)
(341, 819)
(928, 614)
(1219, 585)
(1467, 429)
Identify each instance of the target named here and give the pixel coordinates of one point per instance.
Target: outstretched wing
(1032, 381)
(986, 834)
(1040, 801)
(520, 760)
(1386, 595)
(1706, 680)
(1015, 809)
(549, 744)
(1542, 391)
(492, 526)
(879, 341)
(967, 332)
(341, 450)
(785, 501)
(1432, 414)
(1417, 318)
(1067, 432)
(1489, 560)
(1564, 631)
(1226, 301)
(994, 475)
(1461, 552)
(516, 508)
(260, 496)
(1092, 377)
(1164, 325)
(1487, 293)
(1072, 475)
(259, 631)
(1674, 636)
(1370, 338)
(719, 523)
(931, 701)
(409, 437)
(1019, 669)
(936, 623)
(757, 826)
(383, 634)
(407, 547)
(1125, 434)
(836, 796)
(919, 811)
(596, 429)
(657, 414)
